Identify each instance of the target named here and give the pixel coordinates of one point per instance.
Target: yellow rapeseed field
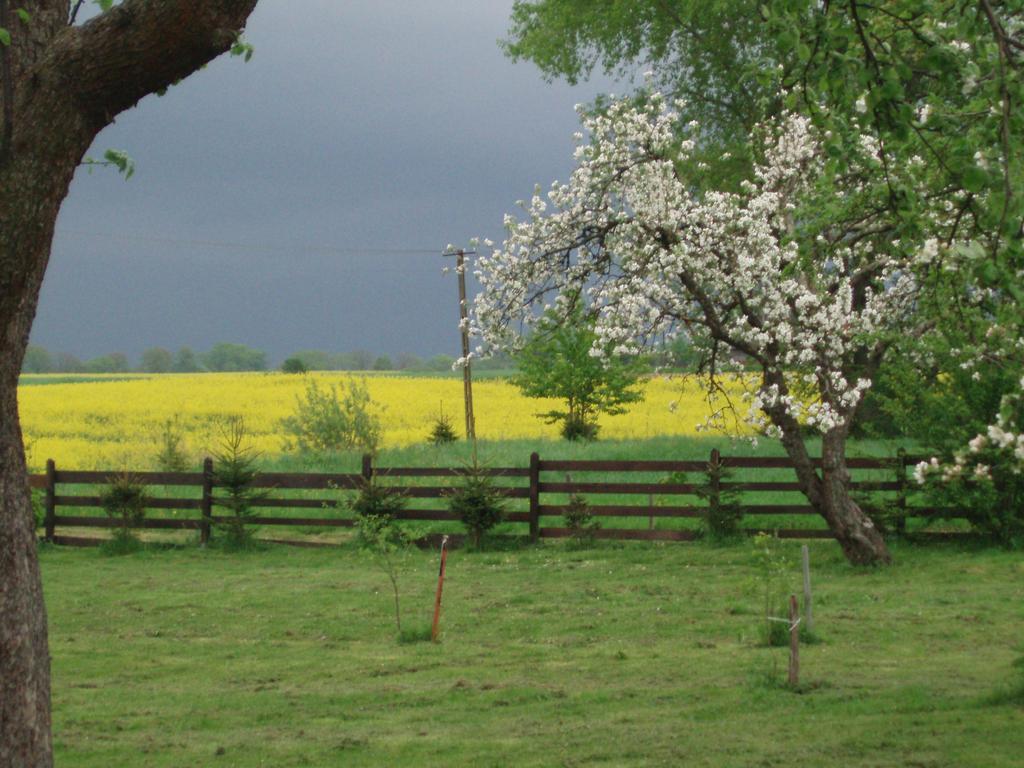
(97, 424)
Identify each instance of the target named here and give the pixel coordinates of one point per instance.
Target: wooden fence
(662, 494)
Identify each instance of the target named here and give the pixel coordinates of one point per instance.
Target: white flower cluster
(1002, 444)
(652, 255)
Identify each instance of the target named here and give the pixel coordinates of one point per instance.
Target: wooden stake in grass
(794, 643)
(808, 602)
(440, 586)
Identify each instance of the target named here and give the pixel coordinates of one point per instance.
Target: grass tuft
(419, 634)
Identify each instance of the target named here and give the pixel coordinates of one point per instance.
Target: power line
(253, 247)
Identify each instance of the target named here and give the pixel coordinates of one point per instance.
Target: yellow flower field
(99, 424)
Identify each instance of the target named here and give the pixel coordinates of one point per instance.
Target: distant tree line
(225, 356)
(677, 356)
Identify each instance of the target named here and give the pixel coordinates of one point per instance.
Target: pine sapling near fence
(646, 500)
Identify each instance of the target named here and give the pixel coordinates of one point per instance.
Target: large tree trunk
(67, 84)
(828, 490)
(24, 655)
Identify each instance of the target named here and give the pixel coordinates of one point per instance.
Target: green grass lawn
(641, 654)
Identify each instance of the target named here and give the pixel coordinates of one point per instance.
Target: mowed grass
(641, 654)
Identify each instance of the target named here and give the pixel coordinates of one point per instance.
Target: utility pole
(467, 374)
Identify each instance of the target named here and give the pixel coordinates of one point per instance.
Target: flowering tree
(933, 81)
(793, 272)
(986, 478)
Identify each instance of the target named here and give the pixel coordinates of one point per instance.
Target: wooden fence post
(206, 505)
(901, 499)
(50, 519)
(534, 497)
(367, 470)
(794, 643)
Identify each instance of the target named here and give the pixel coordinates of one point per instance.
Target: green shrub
(124, 500)
(580, 521)
(575, 427)
(387, 543)
(442, 432)
(476, 502)
(771, 569)
(723, 510)
(376, 500)
(172, 457)
(557, 361)
(234, 474)
(993, 506)
(294, 365)
(341, 417)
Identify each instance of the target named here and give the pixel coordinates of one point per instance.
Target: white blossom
(652, 255)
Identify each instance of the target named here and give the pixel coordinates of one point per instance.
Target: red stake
(440, 586)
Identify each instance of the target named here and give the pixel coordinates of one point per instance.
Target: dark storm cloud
(357, 125)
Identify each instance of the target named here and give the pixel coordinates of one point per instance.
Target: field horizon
(117, 420)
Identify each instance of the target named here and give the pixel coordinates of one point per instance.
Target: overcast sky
(268, 195)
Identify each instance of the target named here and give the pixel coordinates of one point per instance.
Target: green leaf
(974, 179)
(122, 161)
(24, 15)
(5, 37)
(990, 273)
(242, 48)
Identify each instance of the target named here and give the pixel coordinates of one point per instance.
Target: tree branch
(140, 47)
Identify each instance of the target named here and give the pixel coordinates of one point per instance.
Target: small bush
(771, 567)
(337, 418)
(580, 521)
(442, 432)
(575, 427)
(294, 365)
(993, 507)
(387, 544)
(724, 512)
(476, 502)
(376, 500)
(235, 472)
(124, 500)
(172, 457)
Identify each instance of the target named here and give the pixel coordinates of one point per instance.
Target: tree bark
(24, 655)
(68, 83)
(828, 492)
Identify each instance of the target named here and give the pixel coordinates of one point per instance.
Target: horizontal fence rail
(614, 491)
